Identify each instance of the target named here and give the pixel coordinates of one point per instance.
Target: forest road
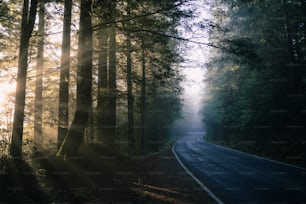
(235, 177)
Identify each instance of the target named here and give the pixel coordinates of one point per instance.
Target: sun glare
(6, 88)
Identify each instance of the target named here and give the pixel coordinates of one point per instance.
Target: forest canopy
(256, 82)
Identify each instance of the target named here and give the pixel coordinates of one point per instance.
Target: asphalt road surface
(235, 177)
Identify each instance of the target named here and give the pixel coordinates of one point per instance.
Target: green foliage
(256, 87)
(153, 29)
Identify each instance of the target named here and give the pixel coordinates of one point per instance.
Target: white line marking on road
(205, 188)
(258, 157)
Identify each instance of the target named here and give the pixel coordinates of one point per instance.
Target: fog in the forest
(191, 120)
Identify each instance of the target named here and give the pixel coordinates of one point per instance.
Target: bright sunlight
(6, 88)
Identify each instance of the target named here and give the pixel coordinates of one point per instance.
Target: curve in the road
(231, 176)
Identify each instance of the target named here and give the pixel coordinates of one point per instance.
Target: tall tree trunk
(112, 85)
(27, 25)
(130, 87)
(143, 97)
(75, 136)
(38, 133)
(89, 133)
(63, 106)
(102, 86)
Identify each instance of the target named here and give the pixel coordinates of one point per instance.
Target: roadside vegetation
(255, 81)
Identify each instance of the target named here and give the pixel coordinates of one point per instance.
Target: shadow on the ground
(101, 178)
(19, 184)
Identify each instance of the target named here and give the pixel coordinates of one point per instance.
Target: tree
(120, 66)
(107, 74)
(129, 74)
(27, 25)
(102, 7)
(143, 97)
(158, 81)
(256, 87)
(75, 136)
(102, 84)
(144, 56)
(112, 80)
(63, 108)
(38, 133)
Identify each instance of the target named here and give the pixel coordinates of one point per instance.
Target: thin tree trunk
(143, 98)
(38, 132)
(63, 110)
(102, 86)
(112, 85)
(112, 94)
(130, 87)
(27, 25)
(75, 136)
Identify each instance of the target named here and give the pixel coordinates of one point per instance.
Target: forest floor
(100, 179)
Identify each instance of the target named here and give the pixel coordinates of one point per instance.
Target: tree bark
(75, 136)
(90, 127)
(63, 110)
(143, 97)
(112, 83)
(130, 87)
(38, 132)
(102, 86)
(27, 25)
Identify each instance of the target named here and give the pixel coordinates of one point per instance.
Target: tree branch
(108, 23)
